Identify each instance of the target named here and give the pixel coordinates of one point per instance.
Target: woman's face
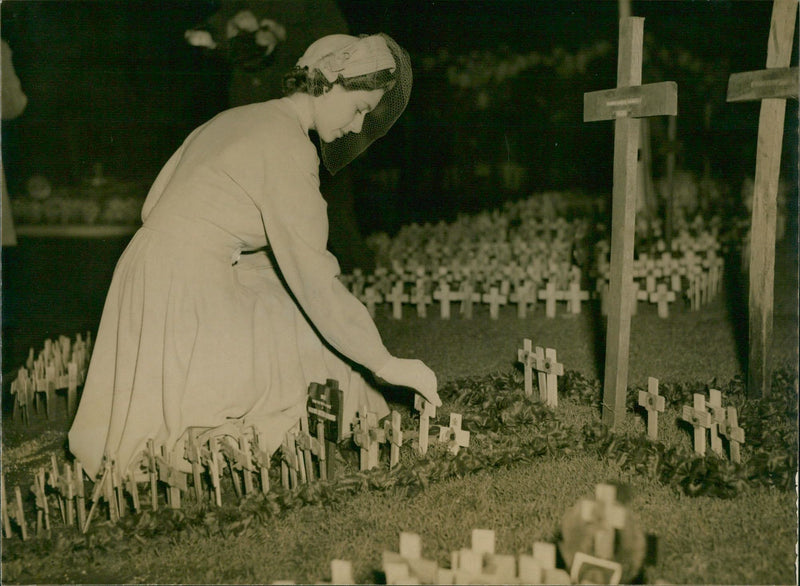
(338, 111)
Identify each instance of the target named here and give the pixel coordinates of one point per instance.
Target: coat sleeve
(295, 220)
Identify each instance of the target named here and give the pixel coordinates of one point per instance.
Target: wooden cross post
(4, 505)
(715, 409)
(735, 434)
(395, 436)
(700, 420)
(772, 87)
(525, 356)
(495, 299)
(455, 437)
(553, 369)
(426, 411)
(653, 403)
(626, 104)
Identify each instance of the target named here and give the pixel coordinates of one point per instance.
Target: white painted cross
(733, 433)
(653, 403)
(455, 437)
(700, 420)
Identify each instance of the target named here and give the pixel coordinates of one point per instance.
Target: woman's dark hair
(298, 80)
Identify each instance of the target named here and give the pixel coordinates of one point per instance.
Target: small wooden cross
(662, 297)
(420, 298)
(169, 474)
(733, 433)
(455, 437)
(444, 296)
(408, 566)
(550, 296)
(262, 457)
(626, 104)
(549, 370)
(700, 420)
(397, 298)
(368, 436)
(289, 461)
(72, 388)
(372, 297)
(394, 434)
(426, 411)
(715, 409)
(4, 507)
(308, 445)
(193, 455)
(495, 300)
(215, 464)
(525, 356)
(574, 296)
(607, 516)
(771, 87)
(525, 293)
(326, 412)
(80, 501)
(654, 404)
(20, 513)
(468, 297)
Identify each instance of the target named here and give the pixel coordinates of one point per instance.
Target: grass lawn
(748, 539)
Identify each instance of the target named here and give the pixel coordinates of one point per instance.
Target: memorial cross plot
(625, 104)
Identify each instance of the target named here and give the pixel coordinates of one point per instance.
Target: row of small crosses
(699, 278)
(68, 486)
(545, 363)
(498, 285)
(708, 418)
(210, 451)
(525, 294)
(61, 364)
(480, 564)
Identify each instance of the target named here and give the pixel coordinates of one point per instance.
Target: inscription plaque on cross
(772, 87)
(625, 104)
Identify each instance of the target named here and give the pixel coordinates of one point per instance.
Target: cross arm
(640, 101)
(748, 86)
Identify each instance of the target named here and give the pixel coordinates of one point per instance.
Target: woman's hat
(346, 56)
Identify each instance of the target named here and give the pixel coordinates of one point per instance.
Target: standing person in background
(14, 102)
(261, 40)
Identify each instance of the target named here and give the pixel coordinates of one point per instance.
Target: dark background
(114, 82)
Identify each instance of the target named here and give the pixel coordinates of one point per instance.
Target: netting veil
(345, 57)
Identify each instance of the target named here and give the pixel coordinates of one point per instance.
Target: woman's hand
(404, 372)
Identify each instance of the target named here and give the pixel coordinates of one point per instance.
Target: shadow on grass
(736, 291)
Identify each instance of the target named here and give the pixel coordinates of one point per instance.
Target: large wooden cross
(772, 86)
(625, 104)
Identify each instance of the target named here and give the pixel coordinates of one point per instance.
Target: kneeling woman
(226, 304)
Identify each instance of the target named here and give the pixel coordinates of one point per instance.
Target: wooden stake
(4, 505)
(80, 502)
(23, 524)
